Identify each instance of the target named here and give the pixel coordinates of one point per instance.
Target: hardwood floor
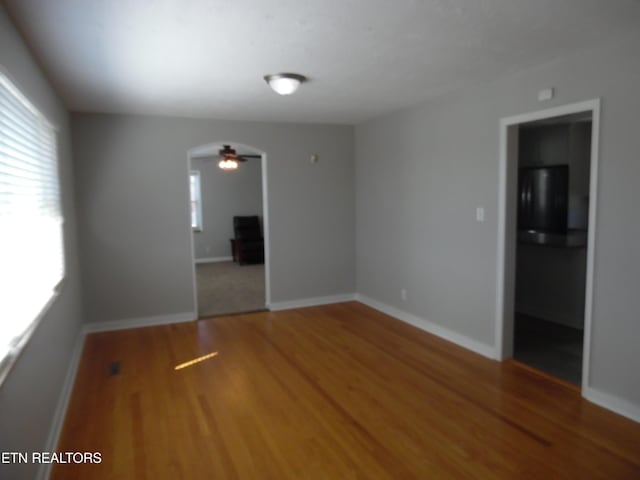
(332, 392)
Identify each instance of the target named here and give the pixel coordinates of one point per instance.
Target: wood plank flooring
(333, 392)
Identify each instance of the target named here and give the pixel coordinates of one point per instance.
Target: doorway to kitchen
(547, 239)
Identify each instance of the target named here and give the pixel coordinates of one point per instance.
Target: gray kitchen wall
(562, 144)
(133, 199)
(550, 281)
(421, 173)
(30, 393)
(224, 195)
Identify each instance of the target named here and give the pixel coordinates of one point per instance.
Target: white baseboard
(605, 400)
(311, 302)
(611, 402)
(63, 403)
(213, 260)
(139, 322)
(427, 326)
(67, 388)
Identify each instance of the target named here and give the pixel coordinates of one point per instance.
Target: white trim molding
(505, 266)
(67, 388)
(483, 349)
(193, 153)
(139, 322)
(266, 229)
(611, 402)
(311, 302)
(213, 260)
(63, 404)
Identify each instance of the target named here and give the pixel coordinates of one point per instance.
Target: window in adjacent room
(31, 235)
(196, 201)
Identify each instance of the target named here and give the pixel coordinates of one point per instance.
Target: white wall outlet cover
(480, 214)
(545, 94)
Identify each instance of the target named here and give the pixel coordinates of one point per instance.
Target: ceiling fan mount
(229, 153)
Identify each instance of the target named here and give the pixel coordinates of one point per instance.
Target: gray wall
(29, 395)
(224, 195)
(133, 210)
(421, 172)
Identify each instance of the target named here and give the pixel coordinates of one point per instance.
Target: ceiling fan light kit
(229, 158)
(228, 164)
(285, 83)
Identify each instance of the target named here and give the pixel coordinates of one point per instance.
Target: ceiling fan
(229, 158)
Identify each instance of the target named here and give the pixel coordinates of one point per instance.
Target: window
(31, 237)
(196, 201)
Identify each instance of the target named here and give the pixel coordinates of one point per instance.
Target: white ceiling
(206, 58)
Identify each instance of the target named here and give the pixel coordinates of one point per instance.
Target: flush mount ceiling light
(285, 83)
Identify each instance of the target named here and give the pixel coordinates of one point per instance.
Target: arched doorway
(222, 283)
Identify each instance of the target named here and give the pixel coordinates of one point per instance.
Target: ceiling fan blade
(230, 154)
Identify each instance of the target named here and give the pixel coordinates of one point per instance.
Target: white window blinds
(31, 243)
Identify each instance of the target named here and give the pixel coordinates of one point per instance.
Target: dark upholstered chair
(248, 244)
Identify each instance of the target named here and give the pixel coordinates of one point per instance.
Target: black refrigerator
(543, 197)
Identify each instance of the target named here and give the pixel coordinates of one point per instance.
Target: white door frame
(507, 220)
(265, 218)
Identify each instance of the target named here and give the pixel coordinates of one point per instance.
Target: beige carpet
(226, 287)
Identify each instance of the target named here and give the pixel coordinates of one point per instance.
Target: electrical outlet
(403, 294)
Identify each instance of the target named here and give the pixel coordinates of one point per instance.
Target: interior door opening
(548, 178)
(229, 229)
(554, 157)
